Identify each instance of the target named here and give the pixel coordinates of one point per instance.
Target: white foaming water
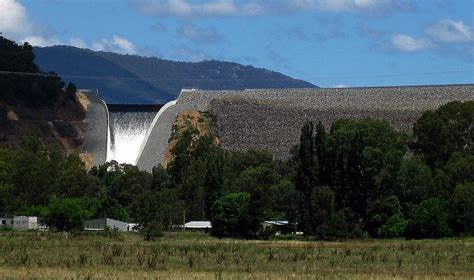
(127, 132)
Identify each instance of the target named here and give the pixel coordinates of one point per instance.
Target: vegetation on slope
(32, 102)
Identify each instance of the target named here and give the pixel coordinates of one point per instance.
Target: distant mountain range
(135, 79)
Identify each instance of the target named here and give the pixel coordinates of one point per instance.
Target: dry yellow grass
(197, 256)
(83, 100)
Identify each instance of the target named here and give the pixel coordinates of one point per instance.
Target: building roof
(277, 223)
(198, 224)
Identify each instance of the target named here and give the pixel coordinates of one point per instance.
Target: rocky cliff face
(59, 125)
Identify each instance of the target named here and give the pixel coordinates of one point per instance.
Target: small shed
(25, 223)
(102, 223)
(198, 225)
(279, 227)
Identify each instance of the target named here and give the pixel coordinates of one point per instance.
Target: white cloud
(15, 24)
(450, 31)
(13, 19)
(115, 44)
(39, 41)
(200, 35)
(405, 43)
(216, 8)
(340, 86)
(78, 43)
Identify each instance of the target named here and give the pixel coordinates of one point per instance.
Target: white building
(25, 223)
(198, 225)
(102, 223)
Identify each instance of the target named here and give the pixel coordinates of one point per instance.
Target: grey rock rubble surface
(271, 119)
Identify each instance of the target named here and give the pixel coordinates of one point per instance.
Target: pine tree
(305, 179)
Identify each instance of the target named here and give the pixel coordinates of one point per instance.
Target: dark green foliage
(323, 203)
(463, 206)
(65, 214)
(415, 183)
(444, 131)
(307, 169)
(393, 228)
(428, 220)
(152, 230)
(110, 208)
(231, 217)
(214, 183)
(380, 211)
(32, 175)
(25, 84)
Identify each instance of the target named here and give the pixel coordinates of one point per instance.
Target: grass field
(198, 256)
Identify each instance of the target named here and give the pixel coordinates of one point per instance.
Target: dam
(265, 119)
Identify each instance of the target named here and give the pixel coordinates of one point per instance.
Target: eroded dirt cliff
(59, 125)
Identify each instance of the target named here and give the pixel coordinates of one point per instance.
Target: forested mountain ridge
(135, 79)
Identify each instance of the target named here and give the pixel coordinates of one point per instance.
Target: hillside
(36, 104)
(136, 79)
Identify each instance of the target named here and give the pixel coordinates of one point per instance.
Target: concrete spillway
(97, 119)
(155, 144)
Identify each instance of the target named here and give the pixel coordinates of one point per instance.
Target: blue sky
(327, 42)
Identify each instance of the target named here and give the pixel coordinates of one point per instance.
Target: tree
(71, 88)
(444, 131)
(384, 212)
(323, 203)
(428, 220)
(463, 206)
(152, 230)
(110, 208)
(214, 183)
(231, 217)
(306, 175)
(65, 214)
(367, 156)
(415, 183)
(393, 228)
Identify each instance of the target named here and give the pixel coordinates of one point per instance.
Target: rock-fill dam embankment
(271, 119)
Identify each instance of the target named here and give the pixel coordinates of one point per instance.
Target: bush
(230, 216)
(463, 203)
(65, 214)
(395, 227)
(152, 230)
(428, 220)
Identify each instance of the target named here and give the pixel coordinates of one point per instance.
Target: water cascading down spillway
(128, 126)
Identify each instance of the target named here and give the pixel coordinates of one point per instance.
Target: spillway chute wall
(155, 146)
(97, 132)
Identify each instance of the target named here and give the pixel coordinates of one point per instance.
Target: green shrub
(395, 227)
(428, 220)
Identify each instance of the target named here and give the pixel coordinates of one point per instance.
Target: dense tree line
(360, 178)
